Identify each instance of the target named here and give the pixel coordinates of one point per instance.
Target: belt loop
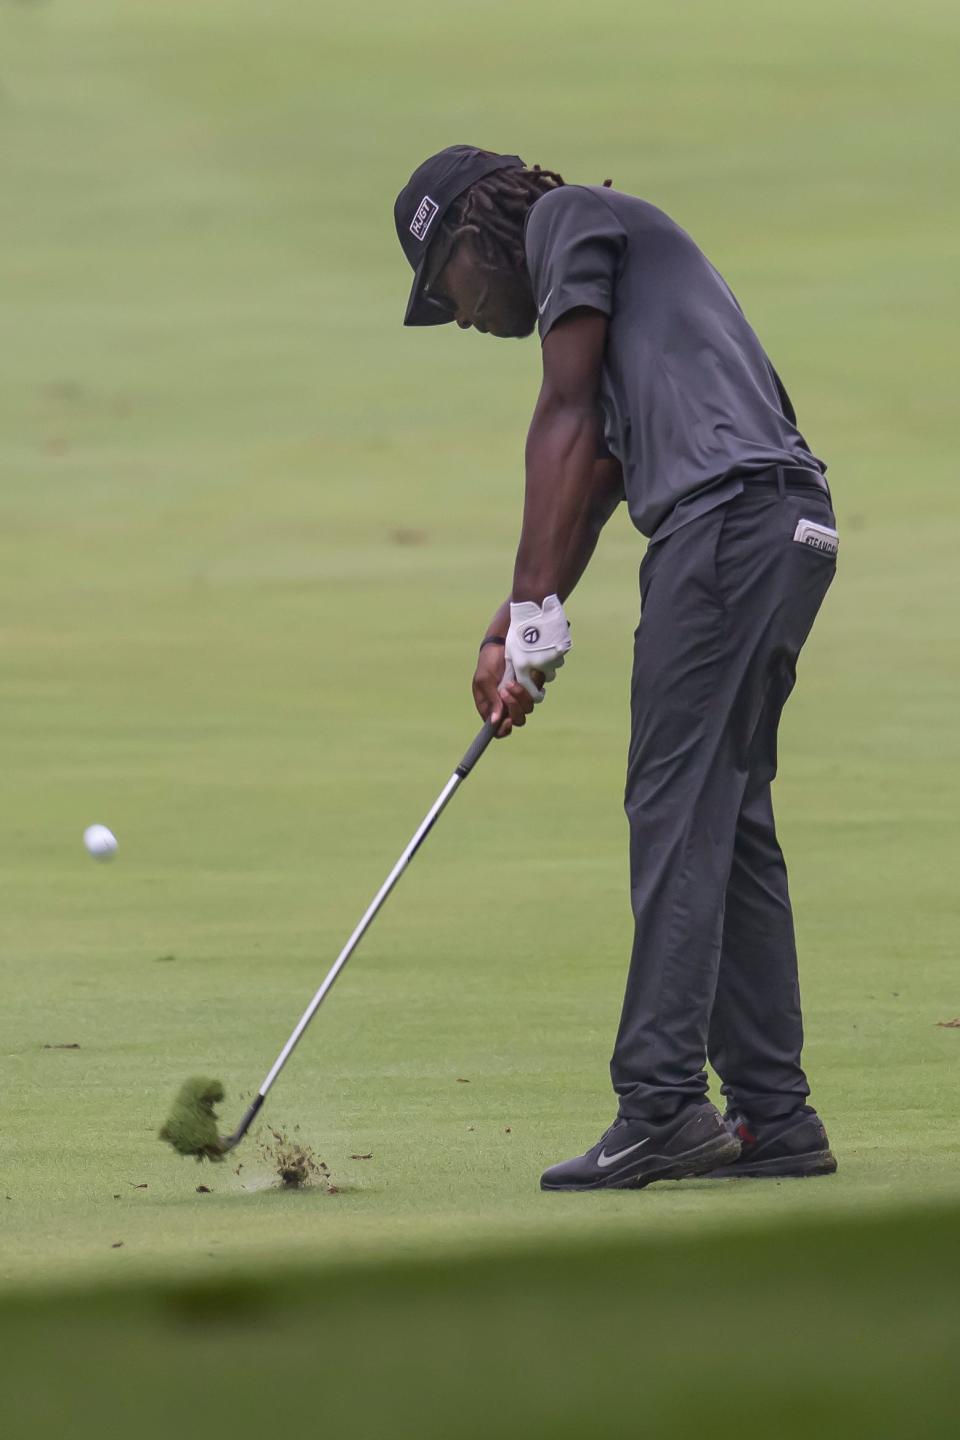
(781, 483)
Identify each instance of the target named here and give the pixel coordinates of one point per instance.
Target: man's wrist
(533, 589)
(493, 640)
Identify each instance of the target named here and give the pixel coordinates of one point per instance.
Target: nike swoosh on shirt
(546, 299)
(603, 1159)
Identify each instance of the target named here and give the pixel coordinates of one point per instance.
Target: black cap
(421, 206)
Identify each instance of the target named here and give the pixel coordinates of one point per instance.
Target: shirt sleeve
(574, 245)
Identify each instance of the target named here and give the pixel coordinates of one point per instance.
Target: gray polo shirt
(690, 403)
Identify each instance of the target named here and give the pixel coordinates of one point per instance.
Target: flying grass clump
(192, 1125)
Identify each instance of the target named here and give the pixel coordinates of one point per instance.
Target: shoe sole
(787, 1167)
(665, 1167)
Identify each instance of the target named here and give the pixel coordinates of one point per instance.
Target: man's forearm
(561, 446)
(606, 493)
(580, 548)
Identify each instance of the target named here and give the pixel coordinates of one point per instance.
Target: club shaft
(436, 810)
(367, 920)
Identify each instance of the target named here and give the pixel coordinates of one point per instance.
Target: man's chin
(516, 331)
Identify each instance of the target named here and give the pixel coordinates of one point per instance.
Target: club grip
(476, 750)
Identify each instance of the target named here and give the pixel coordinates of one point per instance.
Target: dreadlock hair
(493, 210)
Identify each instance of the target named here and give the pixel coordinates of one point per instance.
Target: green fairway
(250, 533)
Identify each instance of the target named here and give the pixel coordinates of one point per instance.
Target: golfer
(656, 391)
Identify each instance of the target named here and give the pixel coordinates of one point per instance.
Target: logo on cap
(426, 211)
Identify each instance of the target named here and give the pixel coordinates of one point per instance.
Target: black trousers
(727, 602)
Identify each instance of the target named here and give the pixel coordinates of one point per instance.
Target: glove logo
(530, 635)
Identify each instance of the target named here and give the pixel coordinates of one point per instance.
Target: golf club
(191, 1129)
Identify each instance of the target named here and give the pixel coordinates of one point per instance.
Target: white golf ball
(101, 843)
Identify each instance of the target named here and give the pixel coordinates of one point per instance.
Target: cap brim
(421, 310)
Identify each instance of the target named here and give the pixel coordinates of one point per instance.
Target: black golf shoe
(633, 1153)
(793, 1145)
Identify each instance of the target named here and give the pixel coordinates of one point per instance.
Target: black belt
(788, 477)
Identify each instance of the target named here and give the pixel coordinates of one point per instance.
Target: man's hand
(537, 641)
(504, 703)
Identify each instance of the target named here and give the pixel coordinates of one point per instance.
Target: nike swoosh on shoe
(603, 1159)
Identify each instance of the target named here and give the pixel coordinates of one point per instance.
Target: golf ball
(100, 842)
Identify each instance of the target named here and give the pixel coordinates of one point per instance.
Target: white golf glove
(538, 639)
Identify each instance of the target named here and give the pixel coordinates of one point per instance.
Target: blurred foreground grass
(794, 1332)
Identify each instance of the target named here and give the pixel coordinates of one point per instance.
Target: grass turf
(250, 530)
(191, 1126)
